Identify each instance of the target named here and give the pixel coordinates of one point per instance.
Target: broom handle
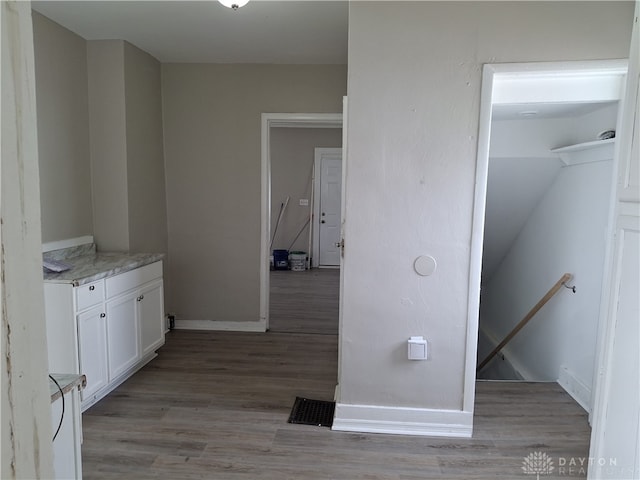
(283, 207)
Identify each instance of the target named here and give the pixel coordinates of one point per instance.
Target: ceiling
(531, 111)
(263, 31)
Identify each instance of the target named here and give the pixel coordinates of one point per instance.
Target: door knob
(322, 221)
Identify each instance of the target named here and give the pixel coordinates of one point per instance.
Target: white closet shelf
(595, 151)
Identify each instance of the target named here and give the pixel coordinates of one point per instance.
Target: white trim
(268, 121)
(575, 387)
(71, 242)
(220, 325)
(512, 83)
(588, 81)
(597, 151)
(477, 238)
(315, 231)
(343, 202)
(402, 421)
(265, 216)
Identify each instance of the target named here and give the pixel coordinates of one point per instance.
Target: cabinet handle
(92, 288)
(140, 298)
(102, 315)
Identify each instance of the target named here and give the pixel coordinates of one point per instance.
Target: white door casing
(544, 82)
(327, 206)
(269, 121)
(343, 215)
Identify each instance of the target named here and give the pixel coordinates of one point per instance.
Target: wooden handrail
(565, 278)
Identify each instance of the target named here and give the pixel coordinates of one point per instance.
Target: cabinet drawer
(126, 281)
(89, 295)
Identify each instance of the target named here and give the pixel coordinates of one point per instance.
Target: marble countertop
(67, 382)
(94, 266)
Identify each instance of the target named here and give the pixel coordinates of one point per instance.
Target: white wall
(107, 117)
(412, 125)
(292, 157)
(147, 207)
(127, 156)
(63, 130)
(212, 116)
(515, 185)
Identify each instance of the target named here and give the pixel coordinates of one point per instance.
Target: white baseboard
(218, 325)
(68, 243)
(580, 392)
(403, 421)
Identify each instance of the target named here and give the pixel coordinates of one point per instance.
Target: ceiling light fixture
(234, 4)
(528, 113)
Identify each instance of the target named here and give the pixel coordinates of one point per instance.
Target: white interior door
(328, 206)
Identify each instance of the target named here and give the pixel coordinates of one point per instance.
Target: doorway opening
(541, 153)
(289, 198)
(306, 188)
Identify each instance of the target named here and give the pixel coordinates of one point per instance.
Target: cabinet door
(151, 317)
(92, 334)
(122, 334)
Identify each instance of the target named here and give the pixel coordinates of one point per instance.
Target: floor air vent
(312, 412)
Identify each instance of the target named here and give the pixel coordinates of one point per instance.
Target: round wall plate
(425, 265)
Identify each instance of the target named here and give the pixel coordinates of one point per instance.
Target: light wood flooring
(304, 302)
(214, 405)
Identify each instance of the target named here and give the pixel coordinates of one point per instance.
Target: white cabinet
(150, 304)
(92, 347)
(107, 329)
(122, 333)
(67, 453)
(89, 295)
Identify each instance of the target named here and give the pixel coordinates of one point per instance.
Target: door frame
(525, 83)
(269, 121)
(315, 244)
